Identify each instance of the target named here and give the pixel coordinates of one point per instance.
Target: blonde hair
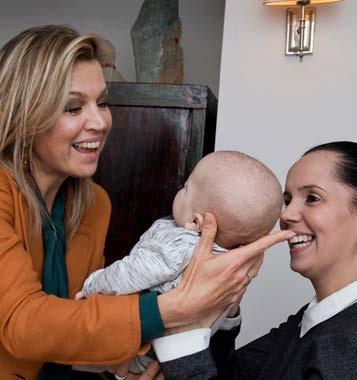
(35, 75)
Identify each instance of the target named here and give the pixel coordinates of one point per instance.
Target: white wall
(273, 107)
(202, 22)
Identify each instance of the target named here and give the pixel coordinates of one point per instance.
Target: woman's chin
(299, 267)
(85, 171)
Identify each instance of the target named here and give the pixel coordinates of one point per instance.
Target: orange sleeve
(102, 330)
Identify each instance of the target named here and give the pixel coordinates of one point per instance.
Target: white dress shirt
(189, 342)
(318, 312)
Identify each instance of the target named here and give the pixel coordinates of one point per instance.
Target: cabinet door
(142, 167)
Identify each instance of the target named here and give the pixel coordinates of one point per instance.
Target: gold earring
(25, 157)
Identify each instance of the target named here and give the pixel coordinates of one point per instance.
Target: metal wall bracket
(300, 27)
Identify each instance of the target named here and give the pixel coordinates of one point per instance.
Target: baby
(242, 193)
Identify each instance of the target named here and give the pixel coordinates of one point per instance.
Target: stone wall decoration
(156, 37)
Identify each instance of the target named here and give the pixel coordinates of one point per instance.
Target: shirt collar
(318, 312)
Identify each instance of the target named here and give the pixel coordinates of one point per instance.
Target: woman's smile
(318, 209)
(89, 149)
(300, 242)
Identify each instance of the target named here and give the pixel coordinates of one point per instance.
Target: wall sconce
(300, 24)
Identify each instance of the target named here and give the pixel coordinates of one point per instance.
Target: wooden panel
(196, 142)
(158, 95)
(142, 167)
(159, 133)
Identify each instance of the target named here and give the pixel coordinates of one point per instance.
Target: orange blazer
(36, 327)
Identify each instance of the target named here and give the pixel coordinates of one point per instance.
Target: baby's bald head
(242, 193)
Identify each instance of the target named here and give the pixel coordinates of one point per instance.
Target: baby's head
(242, 193)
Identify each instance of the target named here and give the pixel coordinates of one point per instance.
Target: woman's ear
(195, 223)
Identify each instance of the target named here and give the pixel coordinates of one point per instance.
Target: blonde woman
(54, 120)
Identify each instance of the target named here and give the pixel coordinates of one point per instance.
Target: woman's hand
(211, 283)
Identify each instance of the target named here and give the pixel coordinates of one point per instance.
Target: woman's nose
(290, 214)
(98, 119)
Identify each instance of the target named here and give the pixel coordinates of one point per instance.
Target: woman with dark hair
(320, 341)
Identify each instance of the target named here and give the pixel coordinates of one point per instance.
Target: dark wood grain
(153, 146)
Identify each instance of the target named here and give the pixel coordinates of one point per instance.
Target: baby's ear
(195, 223)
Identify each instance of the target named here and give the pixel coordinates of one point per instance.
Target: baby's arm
(138, 271)
(160, 256)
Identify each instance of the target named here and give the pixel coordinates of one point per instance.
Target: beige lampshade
(293, 2)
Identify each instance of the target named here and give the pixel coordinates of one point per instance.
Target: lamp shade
(294, 2)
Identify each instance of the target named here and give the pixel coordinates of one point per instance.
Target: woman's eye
(103, 103)
(286, 203)
(73, 110)
(311, 198)
(287, 199)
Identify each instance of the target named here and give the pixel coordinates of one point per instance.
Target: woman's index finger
(259, 246)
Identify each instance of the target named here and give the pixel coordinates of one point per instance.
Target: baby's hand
(121, 370)
(80, 295)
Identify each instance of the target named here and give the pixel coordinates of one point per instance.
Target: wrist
(172, 309)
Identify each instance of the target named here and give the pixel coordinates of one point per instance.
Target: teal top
(54, 275)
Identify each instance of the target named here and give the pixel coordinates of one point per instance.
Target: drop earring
(25, 157)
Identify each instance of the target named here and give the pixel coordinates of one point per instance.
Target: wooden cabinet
(159, 133)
